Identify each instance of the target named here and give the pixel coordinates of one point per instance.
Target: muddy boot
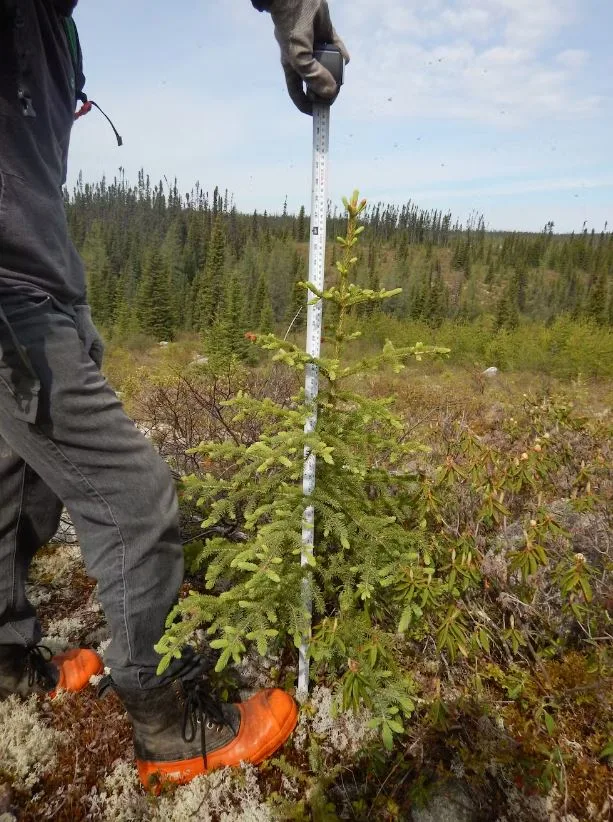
(34, 670)
(181, 731)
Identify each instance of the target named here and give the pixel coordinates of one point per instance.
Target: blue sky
(499, 106)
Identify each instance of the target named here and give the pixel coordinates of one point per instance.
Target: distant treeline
(160, 262)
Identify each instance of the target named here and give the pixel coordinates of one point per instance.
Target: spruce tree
(418, 296)
(126, 322)
(437, 300)
(173, 261)
(596, 303)
(373, 281)
(297, 311)
(507, 312)
(517, 286)
(260, 298)
(153, 305)
(360, 578)
(208, 288)
(226, 338)
(297, 306)
(100, 286)
(301, 226)
(266, 322)
(280, 268)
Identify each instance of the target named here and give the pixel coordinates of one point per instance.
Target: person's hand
(299, 26)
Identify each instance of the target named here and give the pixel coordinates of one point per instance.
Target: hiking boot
(26, 670)
(181, 731)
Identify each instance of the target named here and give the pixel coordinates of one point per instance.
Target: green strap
(71, 34)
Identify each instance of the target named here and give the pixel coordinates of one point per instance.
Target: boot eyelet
(210, 725)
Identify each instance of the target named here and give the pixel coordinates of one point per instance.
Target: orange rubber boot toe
(267, 721)
(76, 667)
(261, 726)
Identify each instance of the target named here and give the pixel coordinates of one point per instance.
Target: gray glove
(299, 26)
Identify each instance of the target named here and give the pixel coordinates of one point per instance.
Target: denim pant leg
(29, 517)
(116, 488)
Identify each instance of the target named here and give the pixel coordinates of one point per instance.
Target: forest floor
(71, 758)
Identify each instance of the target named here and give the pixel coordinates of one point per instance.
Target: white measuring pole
(317, 265)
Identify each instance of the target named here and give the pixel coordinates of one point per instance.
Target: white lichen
(56, 569)
(121, 797)
(27, 746)
(101, 649)
(56, 644)
(65, 627)
(228, 795)
(98, 639)
(37, 595)
(337, 732)
(58, 634)
(257, 671)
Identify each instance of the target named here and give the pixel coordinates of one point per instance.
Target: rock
(164, 344)
(449, 802)
(491, 372)
(200, 361)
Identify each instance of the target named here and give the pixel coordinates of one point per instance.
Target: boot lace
(201, 711)
(39, 668)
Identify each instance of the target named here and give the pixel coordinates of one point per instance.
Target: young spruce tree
(253, 583)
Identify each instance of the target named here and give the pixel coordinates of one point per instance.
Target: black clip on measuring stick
(332, 59)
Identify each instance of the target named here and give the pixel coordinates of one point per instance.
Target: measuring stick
(333, 60)
(317, 264)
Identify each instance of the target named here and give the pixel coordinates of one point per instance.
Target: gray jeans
(82, 451)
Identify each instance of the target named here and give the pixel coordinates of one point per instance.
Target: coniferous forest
(160, 263)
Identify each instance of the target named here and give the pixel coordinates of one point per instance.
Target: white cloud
(536, 20)
(462, 103)
(483, 60)
(572, 184)
(474, 20)
(572, 58)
